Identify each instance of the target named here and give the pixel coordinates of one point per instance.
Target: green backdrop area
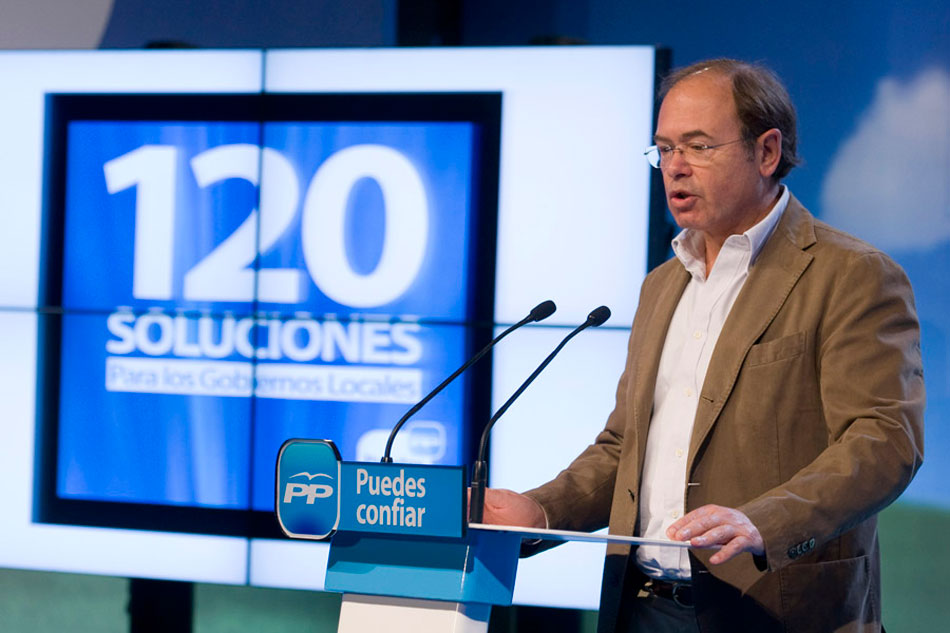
(915, 580)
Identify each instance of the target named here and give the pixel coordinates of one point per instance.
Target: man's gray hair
(762, 102)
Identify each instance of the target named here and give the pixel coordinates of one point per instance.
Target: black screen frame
(481, 108)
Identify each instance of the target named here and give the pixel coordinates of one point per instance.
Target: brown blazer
(810, 421)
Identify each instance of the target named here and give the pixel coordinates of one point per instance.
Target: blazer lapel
(771, 279)
(662, 304)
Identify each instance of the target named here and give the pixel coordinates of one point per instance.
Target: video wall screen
(209, 252)
(231, 271)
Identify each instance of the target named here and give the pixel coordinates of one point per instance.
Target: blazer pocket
(837, 595)
(779, 349)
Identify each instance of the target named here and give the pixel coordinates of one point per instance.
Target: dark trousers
(653, 614)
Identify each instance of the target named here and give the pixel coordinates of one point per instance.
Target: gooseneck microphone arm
(540, 312)
(480, 468)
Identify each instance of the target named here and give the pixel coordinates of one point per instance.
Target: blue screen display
(228, 285)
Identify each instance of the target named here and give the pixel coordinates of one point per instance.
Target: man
(772, 401)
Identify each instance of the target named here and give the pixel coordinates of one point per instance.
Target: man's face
(733, 191)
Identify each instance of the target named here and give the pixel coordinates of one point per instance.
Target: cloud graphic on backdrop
(889, 182)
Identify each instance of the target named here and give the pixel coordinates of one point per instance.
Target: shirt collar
(690, 249)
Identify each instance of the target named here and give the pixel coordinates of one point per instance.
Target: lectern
(402, 553)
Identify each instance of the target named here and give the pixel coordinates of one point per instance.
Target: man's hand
(505, 507)
(714, 526)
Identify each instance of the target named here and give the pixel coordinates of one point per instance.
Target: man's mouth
(681, 200)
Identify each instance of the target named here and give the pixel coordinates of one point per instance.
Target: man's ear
(768, 149)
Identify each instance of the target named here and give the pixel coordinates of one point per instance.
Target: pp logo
(311, 491)
(308, 496)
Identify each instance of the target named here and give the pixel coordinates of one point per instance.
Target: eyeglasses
(695, 154)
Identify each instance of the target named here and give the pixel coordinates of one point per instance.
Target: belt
(679, 592)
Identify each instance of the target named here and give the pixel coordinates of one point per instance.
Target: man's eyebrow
(685, 136)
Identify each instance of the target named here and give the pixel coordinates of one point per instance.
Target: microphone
(480, 468)
(540, 312)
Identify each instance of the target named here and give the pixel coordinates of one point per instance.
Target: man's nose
(676, 164)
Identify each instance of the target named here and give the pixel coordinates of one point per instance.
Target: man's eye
(697, 148)
(665, 150)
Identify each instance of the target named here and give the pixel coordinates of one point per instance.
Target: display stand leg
(360, 613)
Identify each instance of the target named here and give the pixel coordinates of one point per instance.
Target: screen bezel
(483, 109)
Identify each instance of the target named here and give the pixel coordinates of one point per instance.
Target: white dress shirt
(690, 340)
